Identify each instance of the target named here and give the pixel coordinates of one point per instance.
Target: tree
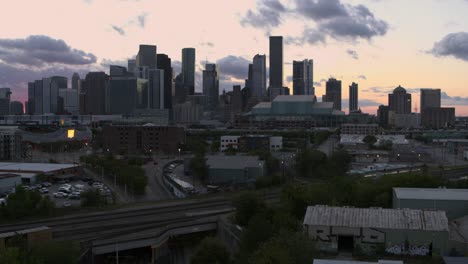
(211, 251)
(230, 151)
(370, 140)
(198, 166)
(339, 163)
(56, 252)
(247, 204)
(311, 163)
(92, 198)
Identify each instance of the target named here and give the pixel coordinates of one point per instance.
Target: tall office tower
(188, 69)
(430, 98)
(141, 72)
(276, 61)
(30, 102)
(303, 77)
(147, 56)
(93, 97)
(142, 93)
(38, 102)
(156, 89)
(164, 63)
(248, 81)
(5, 94)
(68, 101)
(16, 108)
(382, 115)
(259, 76)
(46, 96)
(75, 81)
(56, 83)
(399, 101)
(211, 86)
(180, 93)
(333, 93)
(121, 96)
(131, 66)
(236, 100)
(353, 97)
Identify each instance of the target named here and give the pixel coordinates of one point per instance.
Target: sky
(379, 44)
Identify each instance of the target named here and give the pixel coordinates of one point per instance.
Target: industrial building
(9, 181)
(335, 261)
(10, 143)
(361, 129)
(395, 231)
(453, 201)
(142, 138)
(251, 142)
(224, 170)
(29, 171)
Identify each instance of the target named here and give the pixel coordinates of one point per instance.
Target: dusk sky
(379, 44)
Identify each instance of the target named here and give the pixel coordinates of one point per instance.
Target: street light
(179, 153)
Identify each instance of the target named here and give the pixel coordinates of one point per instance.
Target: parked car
(44, 190)
(67, 204)
(46, 184)
(87, 179)
(74, 196)
(60, 195)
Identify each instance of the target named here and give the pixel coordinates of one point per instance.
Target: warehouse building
(223, 170)
(9, 181)
(453, 201)
(29, 171)
(398, 232)
(248, 143)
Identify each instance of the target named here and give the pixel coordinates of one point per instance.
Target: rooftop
(233, 162)
(431, 194)
(36, 167)
(263, 105)
(409, 219)
(295, 98)
(8, 175)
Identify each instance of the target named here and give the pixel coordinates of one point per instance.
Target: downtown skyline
(392, 46)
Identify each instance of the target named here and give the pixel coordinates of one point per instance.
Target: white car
(60, 195)
(67, 204)
(44, 190)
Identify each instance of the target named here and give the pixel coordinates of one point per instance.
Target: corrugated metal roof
(376, 218)
(432, 194)
(233, 162)
(39, 167)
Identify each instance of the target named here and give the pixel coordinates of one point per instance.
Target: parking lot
(68, 193)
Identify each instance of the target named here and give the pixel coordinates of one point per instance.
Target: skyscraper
(131, 66)
(75, 81)
(188, 69)
(5, 94)
(276, 61)
(56, 83)
(16, 108)
(164, 63)
(333, 93)
(430, 98)
(211, 86)
(258, 81)
(38, 110)
(92, 99)
(121, 97)
(303, 77)
(399, 101)
(180, 91)
(156, 89)
(353, 97)
(147, 56)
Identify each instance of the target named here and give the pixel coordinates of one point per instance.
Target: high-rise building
(16, 108)
(353, 97)
(93, 94)
(211, 86)
(38, 102)
(56, 83)
(69, 101)
(430, 98)
(121, 96)
(258, 81)
(164, 63)
(382, 115)
(131, 66)
(303, 77)
(156, 89)
(142, 93)
(75, 81)
(333, 93)
(180, 91)
(188, 69)
(276, 61)
(5, 94)
(147, 56)
(399, 101)
(438, 117)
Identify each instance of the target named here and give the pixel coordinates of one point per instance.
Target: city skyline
(391, 49)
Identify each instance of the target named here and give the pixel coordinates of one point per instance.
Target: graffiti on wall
(402, 249)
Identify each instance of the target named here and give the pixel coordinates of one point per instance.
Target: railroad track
(88, 226)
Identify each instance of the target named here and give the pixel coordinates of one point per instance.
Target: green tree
(247, 204)
(370, 140)
(311, 163)
(93, 198)
(215, 146)
(198, 166)
(211, 251)
(10, 256)
(339, 163)
(258, 231)
(56, 252)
